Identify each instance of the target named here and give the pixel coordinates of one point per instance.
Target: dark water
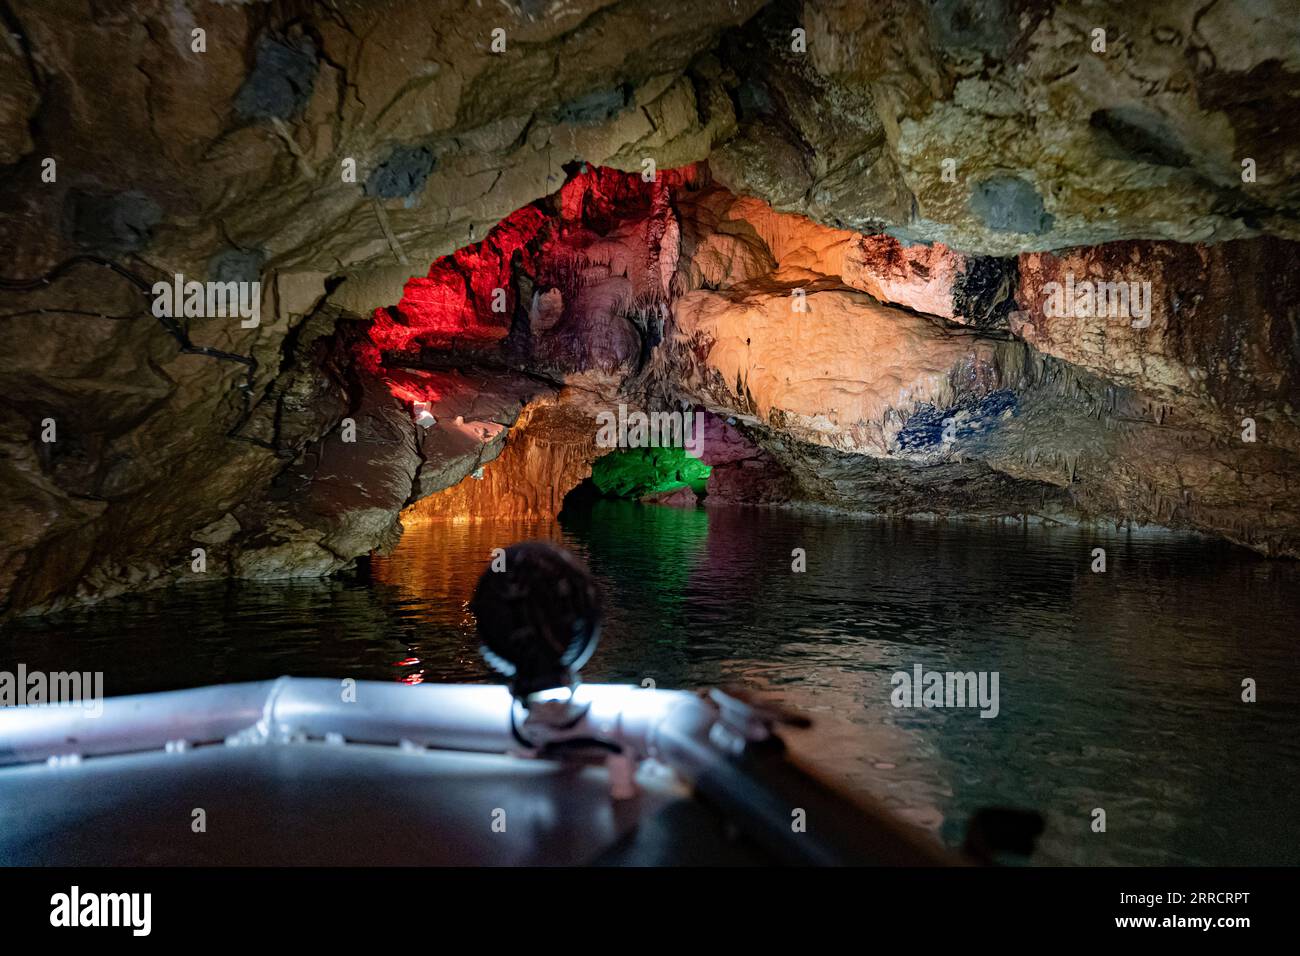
(1119, 691)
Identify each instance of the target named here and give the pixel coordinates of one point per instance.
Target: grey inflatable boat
(544, 771)
(327, 772)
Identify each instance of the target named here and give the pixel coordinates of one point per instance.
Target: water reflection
(1118, 690)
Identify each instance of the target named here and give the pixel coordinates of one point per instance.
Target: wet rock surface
(434, 221)
(549, 451)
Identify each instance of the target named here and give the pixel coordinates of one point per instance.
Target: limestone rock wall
(1021, 406)
(922, 171)
(354, 141)
(548, 453)
(1058, 124)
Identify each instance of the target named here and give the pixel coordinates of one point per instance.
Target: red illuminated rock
(678, 498)
(467, 296)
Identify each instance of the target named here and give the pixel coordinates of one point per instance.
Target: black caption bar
(377, 905)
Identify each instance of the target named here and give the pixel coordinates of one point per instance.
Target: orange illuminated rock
(728, 239)
(845, 372)
(549, 451)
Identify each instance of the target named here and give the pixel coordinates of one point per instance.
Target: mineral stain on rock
(281, 81)
(984, 25)
(402, 174)
(594, 107)
(110, 222)
(925, 429)
(985, 293)
(1010, 204)
(1142, 135)
(237, 265)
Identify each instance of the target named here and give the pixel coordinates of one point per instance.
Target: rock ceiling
(843, 230)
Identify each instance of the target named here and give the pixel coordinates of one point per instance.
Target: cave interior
(899, 263)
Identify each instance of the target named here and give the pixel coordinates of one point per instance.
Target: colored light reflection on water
(1118, 690)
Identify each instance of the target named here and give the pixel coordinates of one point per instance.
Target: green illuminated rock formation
(638, 472)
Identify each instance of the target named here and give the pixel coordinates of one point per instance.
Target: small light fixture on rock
(420, 412)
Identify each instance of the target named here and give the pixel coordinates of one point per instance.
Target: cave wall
(1060, 416)
(233, 163)
(920, 170)
(1056, 135)
(549, 452)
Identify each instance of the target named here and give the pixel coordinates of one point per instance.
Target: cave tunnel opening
(642, 474)
(577, 286)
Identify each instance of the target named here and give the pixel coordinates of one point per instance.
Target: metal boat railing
(722, 746)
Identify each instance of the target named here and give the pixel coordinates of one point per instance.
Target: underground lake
(1118, 690)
